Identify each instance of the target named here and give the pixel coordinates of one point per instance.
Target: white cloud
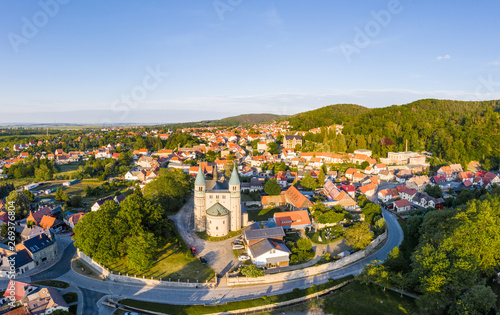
(443, 57)
(495, 63)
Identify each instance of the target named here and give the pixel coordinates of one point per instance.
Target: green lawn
(357, 298)
(52, 283)
(173, 263)
(18, 181)
(70, 297)
(205, 236)
(68, 169)
(215, 307)
(261, 214)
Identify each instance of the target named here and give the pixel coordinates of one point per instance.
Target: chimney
(406, 150)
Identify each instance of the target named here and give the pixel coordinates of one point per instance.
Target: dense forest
(456, 131)
(447, 257)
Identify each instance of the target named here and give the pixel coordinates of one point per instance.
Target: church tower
(199, 202)
(234, 190)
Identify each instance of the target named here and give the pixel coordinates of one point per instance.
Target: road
(228, 294)
(93, 289)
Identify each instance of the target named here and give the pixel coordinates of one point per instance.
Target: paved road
(227, 294)
(93, 289)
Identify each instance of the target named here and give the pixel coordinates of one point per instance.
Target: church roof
(235, 179)
(217, 210)
(200, 179)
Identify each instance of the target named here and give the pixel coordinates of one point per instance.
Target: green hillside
(456, 131)
(244, 120)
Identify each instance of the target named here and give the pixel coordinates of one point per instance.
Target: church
(217, 205)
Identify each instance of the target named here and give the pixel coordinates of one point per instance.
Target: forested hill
(245, 119)
(326, 116)
(456, 131)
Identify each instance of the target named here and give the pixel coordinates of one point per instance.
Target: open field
(357, 298)
(172, 263)
(67, 169)
(261, 214)
(202, 309)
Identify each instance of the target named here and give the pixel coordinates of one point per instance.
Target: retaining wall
(106, 273)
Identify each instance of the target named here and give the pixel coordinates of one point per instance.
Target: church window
(223, 196)
(223, 222)
(216, 227)
(211, 197)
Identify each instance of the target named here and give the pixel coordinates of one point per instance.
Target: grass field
(357, 298)
(52, 283)
(68, 169)
(18, 181)
(202, 309)
(205, 236)
(172, 263)
(261, 214)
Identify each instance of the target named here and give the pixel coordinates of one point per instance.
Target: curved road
(175, 295)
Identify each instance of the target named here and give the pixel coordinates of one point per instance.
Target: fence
(105, 273)
(307, 272)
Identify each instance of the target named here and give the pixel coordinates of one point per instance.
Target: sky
(112, 62)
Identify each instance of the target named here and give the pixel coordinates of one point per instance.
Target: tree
(171, 189)
(358, 236)
(20, 202)
(308, 182)
(376, 273)
(479, 300)
(61, 195)
(142, 250)
(371, 211)
(44, 173)
(272, 147)
(272, 188)
(380, 224)
(252, 271)
(433, 191)
(304, 244)
(321, 177)
(29, 194)
(364, 165)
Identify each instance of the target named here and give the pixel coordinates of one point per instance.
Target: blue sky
(228, 57)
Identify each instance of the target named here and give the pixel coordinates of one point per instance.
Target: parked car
(193, 250)
(238, 246)
(203, 260)
(243, 257)
(72, 233)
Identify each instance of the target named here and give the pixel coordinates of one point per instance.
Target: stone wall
(104, 272)
(307, 272)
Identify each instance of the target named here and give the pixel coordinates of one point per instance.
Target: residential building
(290, 141)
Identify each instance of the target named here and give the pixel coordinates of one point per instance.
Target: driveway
(218, 254)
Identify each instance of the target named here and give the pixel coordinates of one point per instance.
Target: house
(273, 201)
(265, 246)
(406, 193)
(339, 195)
(45, 301)
(296, 220)
(29, 232)
(418, 183)
(73, 219)
(51, 223)
(386, 175)
(465, 176)
(18, 290)
(368, 190)
(438, 179)
(296, 200)
(37, 216)
(450, 172)
(41, 248)
(257, 184)
(290, 141)
(403, 175)
(97, 205)
(402, 205)
(386, 195)
(349, 173)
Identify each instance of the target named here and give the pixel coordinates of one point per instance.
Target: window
(223, 222)
(211, 197)
(216, 227)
